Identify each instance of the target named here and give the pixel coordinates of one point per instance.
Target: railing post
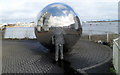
(107, 37)
(89, 37)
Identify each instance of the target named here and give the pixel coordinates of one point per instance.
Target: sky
(12, 11)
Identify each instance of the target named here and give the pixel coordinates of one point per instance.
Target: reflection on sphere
(55, 19)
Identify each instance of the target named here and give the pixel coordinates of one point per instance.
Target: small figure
(58, 41)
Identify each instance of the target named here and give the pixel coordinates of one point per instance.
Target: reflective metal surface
(58, 18)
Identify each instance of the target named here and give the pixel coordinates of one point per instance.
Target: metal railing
(115, 41)
(94, 35)
(116, 55)
(91, 35)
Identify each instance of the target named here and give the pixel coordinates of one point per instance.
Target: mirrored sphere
(59, 20)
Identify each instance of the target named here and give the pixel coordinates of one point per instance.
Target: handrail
(101, 31)
(115, 41)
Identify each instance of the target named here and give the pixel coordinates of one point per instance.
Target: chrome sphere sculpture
(54, 19)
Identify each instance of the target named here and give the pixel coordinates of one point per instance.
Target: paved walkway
(87, 55)
(28, 56)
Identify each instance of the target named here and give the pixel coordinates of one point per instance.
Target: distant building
(20, 24)
(10, 25)
(32, 24)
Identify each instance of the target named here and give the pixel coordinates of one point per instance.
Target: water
(88, 28)
(100, 28)
(20, 32)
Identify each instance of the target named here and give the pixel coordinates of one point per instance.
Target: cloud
(86, 9)
(61, 21)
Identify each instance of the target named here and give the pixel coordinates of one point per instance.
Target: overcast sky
(12, 11)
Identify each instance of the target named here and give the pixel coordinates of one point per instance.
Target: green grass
(113, 71)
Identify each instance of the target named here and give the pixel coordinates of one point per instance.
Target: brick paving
(86, 55)
(28, 56)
